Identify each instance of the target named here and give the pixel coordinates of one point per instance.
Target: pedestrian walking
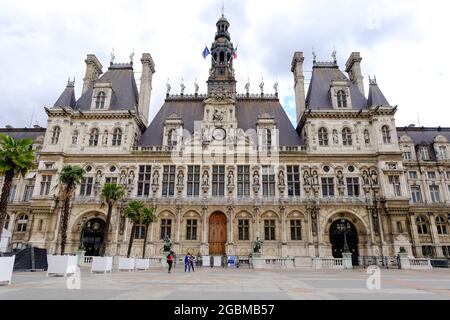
(187, 265)
(191, 262)
(170, 261)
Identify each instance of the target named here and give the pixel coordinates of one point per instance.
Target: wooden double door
(217, 234)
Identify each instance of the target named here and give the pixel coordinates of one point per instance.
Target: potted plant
(61, 265)
(6, 268)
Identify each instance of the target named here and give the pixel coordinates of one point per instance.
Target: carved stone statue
(113, 56)
(205, 178)
(155, 181)
(182, 86)
(218, 115)
(281, 178)
(196, 86)
(275, 87)
(230, 178)
(256, 178)
(180, 177)
(167, 243)
(366, 137)
(261, 86)
(315, 178)
(168, 86)
(98, 177)
(258, 246)
(131, 178)
(123, 178)
(374, 177)
(247, 87)
(306, 179)
(340, 178)
(366, 178)
(335, 137)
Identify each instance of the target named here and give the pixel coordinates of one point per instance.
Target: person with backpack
(170, 260)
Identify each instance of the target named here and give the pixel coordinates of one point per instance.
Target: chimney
(353, 68)
(299, 83)
(93, 71)
(145, 90)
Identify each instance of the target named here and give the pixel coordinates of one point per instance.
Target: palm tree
(110, 194)
(69, 178)
(16, 158)
(138, 213)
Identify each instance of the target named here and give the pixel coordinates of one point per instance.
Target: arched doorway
(337, 239)
(92, 236)
(217, 234)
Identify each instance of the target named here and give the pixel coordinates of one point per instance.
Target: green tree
(138, 213)
(69, 178)
(110, 194)
(16, 158)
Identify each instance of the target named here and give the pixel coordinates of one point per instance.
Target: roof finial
(373, 81)
(223, 8)
(196, 86)
(247, 86)
(113, 56)
(261, 86)
(168, 87)
(314, 55)
(182, 86)
(334, 55)
(132, 56)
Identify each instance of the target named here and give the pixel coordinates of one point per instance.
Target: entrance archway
(217, 234)
(92, 236)
(337, 240)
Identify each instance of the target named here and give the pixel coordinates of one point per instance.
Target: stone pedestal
(80, 257)
(404, 261)
(229, 249)
(347, 260)
(284, 250)
(290, 263)
(257, 261)
(164, 259)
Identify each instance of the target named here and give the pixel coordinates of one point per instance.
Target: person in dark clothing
(170, 261)
(191, 262)
(187, 266)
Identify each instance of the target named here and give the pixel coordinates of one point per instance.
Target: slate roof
(67, 97)
(376, 97)
(247, 113)
(318, 97)
(125, 93)
(423, 136)
(22, 133)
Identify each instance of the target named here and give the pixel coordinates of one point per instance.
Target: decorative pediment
(406, 139)
(220, 96)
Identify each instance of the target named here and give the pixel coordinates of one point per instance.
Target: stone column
(204, 245)
(283, 224)
(435, 235)
(256, 213)
(414, 233)
(177, 236)
(230, 224)
(445, 193)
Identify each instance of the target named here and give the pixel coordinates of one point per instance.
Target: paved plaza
(231, 284)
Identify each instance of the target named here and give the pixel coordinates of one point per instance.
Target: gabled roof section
(22, 133)
(424, 136)
(125, 93)
(376, 97)
(67, 97)
(318, 97)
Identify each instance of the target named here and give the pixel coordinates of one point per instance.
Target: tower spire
(223, 8)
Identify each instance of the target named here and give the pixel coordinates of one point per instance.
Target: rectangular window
(293, 178)
(448, 175)
(218, 181)
(110, 180)
(139, 232)
(168, 187)
(12, 193)
(268, 180)
(243, 181)
(166, 228)
(443, 153)
(353, 187)
(45, 185)
(243, 230)
(193, 181)
(407, 155)
(428, 251)
(416, 194)
(431, 174)
(191, 229)
(399, 227)
(144, 180)
(435, 195)
(424, 154)
(296, 230)
(28, 193)
(328, 187)
(86, 186)
(413, 174)
(396, 187)
(269, 230)
(446, 251)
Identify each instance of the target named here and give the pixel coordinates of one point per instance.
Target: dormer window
(341, 97)
(347, 137)
(268, 138)
(117, 137)
(443, 153)
(55, 135)
(323, 137)
(386, 133)
(424, 154)
(100, 100)
(93, 137)
(172, 137)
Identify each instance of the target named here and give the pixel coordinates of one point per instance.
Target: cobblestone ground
(231, 284)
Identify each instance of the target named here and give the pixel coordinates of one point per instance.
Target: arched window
(117, 137)
(341, 99)
(347, 137)
(7, 220)
(172, 137)
(441, 225)
(386, 134)
(323, 137)
(75, 137)
(93, 137)
(22, 223)
(100, 100)
(55, 134)
(422, 227)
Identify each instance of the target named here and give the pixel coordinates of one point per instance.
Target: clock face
(219, 134)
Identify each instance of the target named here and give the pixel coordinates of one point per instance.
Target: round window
(351, 169)
(88, 169)
(326, 169)
(112, 169)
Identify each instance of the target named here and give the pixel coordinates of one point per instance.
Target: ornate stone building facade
(224, 168)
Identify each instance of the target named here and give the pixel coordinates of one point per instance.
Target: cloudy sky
(404, 43)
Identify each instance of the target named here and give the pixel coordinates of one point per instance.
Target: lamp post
(344, 227)
(81, 226)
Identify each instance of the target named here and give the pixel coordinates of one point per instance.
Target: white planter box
(142, 264)
(102, 264)
(217, 261)
(205, 261)
(126, 264)
(61, 265)
(6, 268)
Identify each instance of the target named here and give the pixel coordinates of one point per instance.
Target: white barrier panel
(62, 264)
(217, 261)
(102, 264)
(6, 268)
(126, 264)
(142, 264)
(205, 261)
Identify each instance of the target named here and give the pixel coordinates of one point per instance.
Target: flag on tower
(206, 52)
(235, 53)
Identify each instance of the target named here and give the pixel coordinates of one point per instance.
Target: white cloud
(402, 42)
